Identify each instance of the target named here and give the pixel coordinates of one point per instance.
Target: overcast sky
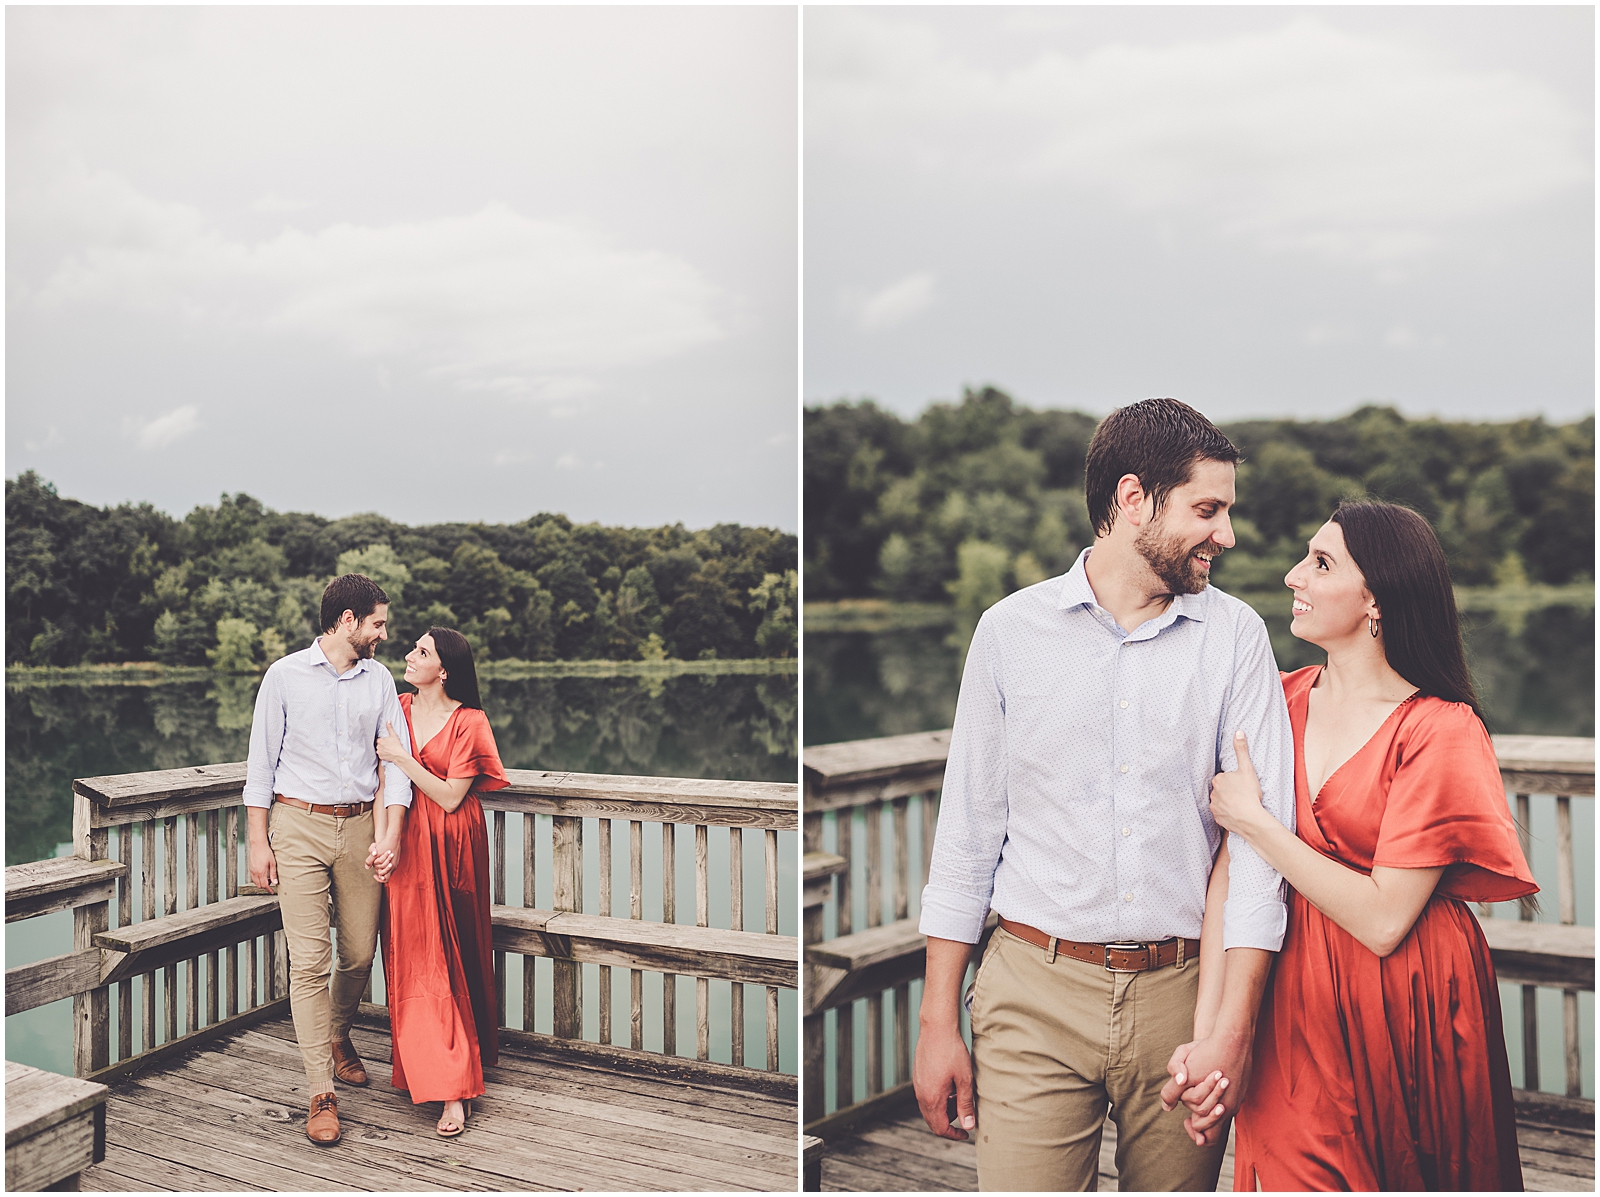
(440, 263)
(1263, 211)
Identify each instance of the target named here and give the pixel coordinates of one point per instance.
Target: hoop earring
(1372, 628)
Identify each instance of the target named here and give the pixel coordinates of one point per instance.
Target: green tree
(236, 647)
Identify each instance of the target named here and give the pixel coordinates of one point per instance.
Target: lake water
(1535, 676)
(712, 726)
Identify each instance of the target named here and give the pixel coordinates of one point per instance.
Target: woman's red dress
(1391, 1073)
(438, 961)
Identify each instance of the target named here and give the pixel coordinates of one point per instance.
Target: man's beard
(1172, 561)
(364, 648)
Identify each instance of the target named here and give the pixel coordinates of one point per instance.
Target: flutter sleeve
(1447, 806)
(473, 752)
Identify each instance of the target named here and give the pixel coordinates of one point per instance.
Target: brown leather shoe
(322, 1126)
(347, 1066)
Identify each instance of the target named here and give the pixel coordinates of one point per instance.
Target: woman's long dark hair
(455, 654)
(1397, 552)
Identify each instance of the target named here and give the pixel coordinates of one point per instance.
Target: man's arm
(396, 785)
(943, 1062)
(266, 745)
(955, 903)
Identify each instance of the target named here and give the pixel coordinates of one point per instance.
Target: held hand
(382, 858)
(1236, 796)
(1219, 1069)
(389, 747)
(263, 864)
(943, 1067)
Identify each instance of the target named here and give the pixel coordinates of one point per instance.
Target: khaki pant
(320, 857)
(1053, 1042)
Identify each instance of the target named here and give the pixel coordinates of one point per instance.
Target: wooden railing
(139, 920)
(850, 786)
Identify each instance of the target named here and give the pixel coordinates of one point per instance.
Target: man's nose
(1225, 536)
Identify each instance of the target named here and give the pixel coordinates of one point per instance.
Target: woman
(438, 963)
(1379, 1059)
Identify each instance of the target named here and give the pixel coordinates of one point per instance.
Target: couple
(328, 788)
(1131, 781)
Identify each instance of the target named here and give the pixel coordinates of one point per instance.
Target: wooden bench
(55, 1128)
(42, 886)
(1541, 953)
(870, 961)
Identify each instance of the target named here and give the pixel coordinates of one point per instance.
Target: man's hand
(263, 864)
(944, 1066)
(383, 857)
(1210, 1077)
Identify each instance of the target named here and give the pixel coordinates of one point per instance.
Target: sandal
(466, 1112)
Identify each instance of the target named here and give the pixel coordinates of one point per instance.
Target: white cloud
(491, 301)
(1305, 137)
(892, 305)
(163, 430)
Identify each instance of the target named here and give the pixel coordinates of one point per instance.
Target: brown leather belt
(1113, 957)
(339, 810)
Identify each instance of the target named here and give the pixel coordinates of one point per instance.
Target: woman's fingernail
(1180, 1078)
(1216, 1111)
(1223, 1083)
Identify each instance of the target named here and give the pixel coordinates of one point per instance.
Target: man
(1095, 708)
(309, 788)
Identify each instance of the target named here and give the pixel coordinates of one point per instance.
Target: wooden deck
(897, 1153)
(231, 1116)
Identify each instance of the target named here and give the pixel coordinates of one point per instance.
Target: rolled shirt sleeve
(1255, 914)
(972, 811)
(266, 741)
(396, 785)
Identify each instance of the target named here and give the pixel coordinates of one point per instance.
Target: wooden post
(231, 879)
(91, 1012)
(669, 914)
(125, 917)
(702, 918)
(567, 1014)
(1530, 993)
(636, 911)
(169, 905)
(603, 829)
(844, 1029)
(147, 910)
(813, 1027)
(1569, 915)
(213, 957)
(771, 866)
(499, 899)
(902, 992)
(530, 897)
(736, 923)
(875, 919)
(191, 878)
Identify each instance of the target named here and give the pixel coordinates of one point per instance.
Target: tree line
(974, 499)
(237, 585)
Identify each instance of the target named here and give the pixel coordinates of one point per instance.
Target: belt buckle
(1127, 947)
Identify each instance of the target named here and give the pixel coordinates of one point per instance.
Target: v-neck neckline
(1305, 722)
(411, 713)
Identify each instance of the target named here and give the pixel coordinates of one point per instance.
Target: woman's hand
(389, 747)
(1236, 796)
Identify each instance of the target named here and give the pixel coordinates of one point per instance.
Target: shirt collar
(1076, 591)
(319, 657)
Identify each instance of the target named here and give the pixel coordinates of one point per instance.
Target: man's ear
(1130, 498)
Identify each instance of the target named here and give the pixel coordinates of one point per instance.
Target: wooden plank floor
(231, 1116)
(898, 1153)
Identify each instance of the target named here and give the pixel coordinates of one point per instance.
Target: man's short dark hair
(1158, 441)
(355, 593)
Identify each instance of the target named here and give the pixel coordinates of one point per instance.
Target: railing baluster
(669, 914)
(1530, 993)
(124, 918)
(603, 828)
(530, 897)
(636, 911)
(213, 958)
(902, 992)
(736, 923)
(1567, 894)
(930, 828)
(191, 882)
(874, 812)
(566, 1011)
(499, 899)
(147, 910)
(771, 872)
(170, 906)
(813, 1027)
(702, 918)
(230, 839)
(844, 1057)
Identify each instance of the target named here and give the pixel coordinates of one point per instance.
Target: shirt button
(1127, 897)
(1127, 830)
(1124, 768)
(1124, 704)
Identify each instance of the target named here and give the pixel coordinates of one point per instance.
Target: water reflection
(722, 726)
